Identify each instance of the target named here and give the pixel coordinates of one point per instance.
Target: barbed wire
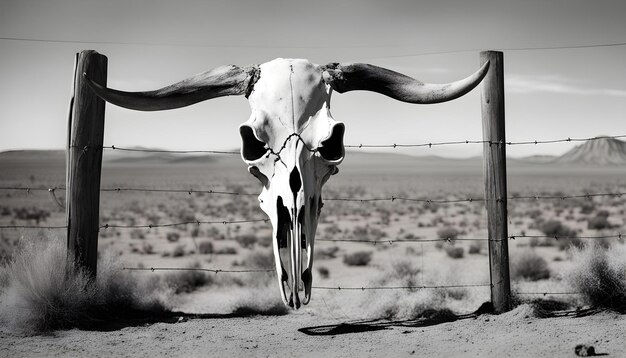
(32, 227)
(526, 142)
(391, 241)
(145, 150)
(546, 293)
(186, 191)
(392, 198)
(216, 271)
(364, 288)
(196, 222)
(452, 240)
(365, 146)
(556, 237)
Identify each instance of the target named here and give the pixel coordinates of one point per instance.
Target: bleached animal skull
(291, 143)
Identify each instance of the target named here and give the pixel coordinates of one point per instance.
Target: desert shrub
(600, 276)
(403, 271)
(137, 234)
(227, 250)
(448, 233)
(455, 252)
(205, 247)
(259, 260)
(411, 304)
(359, 258)
(323, 271)
(475, 248)
(46, 292)
(246, 241)
(178, 251)
(189, 280)
(556, 228)
(172, 236)
(529, 266)
(600, 221)
(148, 249)
(31, 214)
(587, 207)
(566, 237)
(325, 253)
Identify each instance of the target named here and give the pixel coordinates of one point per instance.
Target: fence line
(197, 222)
(364, 288)
(364, 146)
(216, 271)
(392, 198)
(344, 288)
(31, 227)
(169, 151)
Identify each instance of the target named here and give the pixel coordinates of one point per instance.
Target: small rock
(182, 319)
(582, 350)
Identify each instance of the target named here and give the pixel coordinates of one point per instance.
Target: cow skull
(291, 143)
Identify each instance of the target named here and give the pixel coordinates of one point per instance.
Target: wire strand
(216, 271)
(197, 222)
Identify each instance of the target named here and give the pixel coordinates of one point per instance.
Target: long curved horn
(218, 82)
(361, 76)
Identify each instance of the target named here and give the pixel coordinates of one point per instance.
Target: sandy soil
(514, 334)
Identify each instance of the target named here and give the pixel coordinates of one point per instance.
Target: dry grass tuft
(412, 303)
(42, 295)
(358, 258)
(600, 275)
(189, 280)
(528, 265)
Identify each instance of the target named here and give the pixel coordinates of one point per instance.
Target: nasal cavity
(295, 182)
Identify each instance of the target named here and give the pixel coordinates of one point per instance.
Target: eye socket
(332, 148)
(252, 148)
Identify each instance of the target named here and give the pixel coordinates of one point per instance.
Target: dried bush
(600, 276)
(44, 292)
(179, 251)
(323, 271)
(566, 237)
(448, 233)
(455, 252)
(359, 258)
(36, 214)
(475, 248)
(600, 221)
(189, 280)
(205, 247)
(137, 234)
(172, 236)
(246, 241)
(325, 253)
(227, 250)
(148, 249)
(529, 266)
(259, 260)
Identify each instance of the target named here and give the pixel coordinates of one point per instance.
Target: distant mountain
(603, 151)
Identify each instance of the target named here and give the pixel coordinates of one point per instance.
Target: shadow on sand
(138, 318)
(135, 318)
(543, 309)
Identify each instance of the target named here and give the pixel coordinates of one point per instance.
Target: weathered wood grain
(494, 164)
(85, 162)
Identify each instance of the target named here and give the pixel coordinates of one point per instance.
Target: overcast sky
(556, 93)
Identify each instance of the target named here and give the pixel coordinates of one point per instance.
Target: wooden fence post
(494, 165)
(86, 137)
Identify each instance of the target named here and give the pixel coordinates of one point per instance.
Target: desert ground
(240, 314)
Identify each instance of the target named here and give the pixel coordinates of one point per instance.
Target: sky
(550, 93)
